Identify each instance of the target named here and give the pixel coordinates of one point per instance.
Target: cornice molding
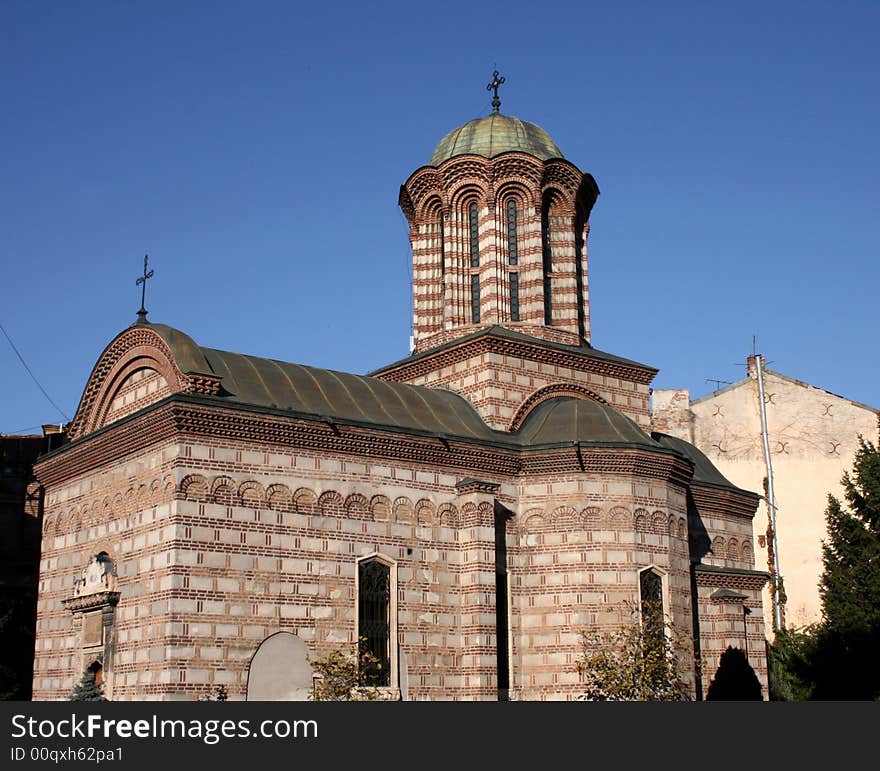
(456, 351)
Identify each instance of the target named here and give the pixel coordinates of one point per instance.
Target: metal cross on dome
(142, 282)
(496, 82)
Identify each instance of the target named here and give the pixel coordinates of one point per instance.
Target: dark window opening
(547, 257)
(475, 298)
(514, 296)
(512, 253)
(442, 247)
(651, 590)
(475, 236)
(580, 222)
(374, 621)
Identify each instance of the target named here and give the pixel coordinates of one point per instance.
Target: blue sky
(255, 151)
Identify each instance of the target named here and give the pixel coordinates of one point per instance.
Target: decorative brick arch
(545, 393)
(733, 549)
(136, 348)
(305, 501)
(251, 493)
(425, 512)
(563, 517)
(331, 503)
(279, 497)
(590, 517)
(402, 509)
(448, 515)
(658, 522)
(357, 505)
(380, 508)
(224, 491)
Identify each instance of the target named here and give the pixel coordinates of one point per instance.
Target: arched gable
(137, 369)
(552, 391)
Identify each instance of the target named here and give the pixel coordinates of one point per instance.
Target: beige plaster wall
(813, 438)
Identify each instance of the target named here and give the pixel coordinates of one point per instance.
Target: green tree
(843, 658)
(789, 675)
(87, 689)
(344, 675)
(637, 661)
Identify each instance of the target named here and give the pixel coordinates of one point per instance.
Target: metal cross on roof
(142, 282)
(496, 82)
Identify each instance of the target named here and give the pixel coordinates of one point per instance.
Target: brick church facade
(219, 519)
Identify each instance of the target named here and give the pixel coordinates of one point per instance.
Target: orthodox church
(220, 520)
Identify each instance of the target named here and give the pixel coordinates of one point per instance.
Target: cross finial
(142, 282)
(496, 82)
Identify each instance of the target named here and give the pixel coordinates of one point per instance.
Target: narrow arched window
(475, 235)
(512, 250)
(651, 595)
(442, 246)
(475, 298)
(547, 257)
(374, 621)
(514, 296)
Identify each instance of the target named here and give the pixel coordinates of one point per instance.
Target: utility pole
(771, 496)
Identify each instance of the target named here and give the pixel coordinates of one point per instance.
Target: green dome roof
(494, 135)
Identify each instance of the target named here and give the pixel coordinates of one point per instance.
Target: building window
(475, 235)
(475, 298)
(512, 251)
(374, 619)
(514, 296)
(547, 257)
(442, 246)
(651, 603)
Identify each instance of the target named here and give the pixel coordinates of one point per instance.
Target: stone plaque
(280, 670)
(93, 629)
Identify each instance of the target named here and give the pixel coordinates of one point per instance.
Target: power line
(33, 376)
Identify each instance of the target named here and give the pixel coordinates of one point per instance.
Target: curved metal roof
(567, 419)
(493, 135)
(360, 399)
(704, 470)
(343, 396)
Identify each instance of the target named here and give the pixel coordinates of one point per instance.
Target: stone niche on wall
(93, 604)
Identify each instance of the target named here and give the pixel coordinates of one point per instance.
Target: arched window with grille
(547, 260)
(473, 220)
(513, 258)
(651, 602)
(376, 633)
(442, 245)
(474, 223)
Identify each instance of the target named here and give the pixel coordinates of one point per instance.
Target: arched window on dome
(547, 258)
(513, 257)
(473, 221)
(512, 246)
(442, 245)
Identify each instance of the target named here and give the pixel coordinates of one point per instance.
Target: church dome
(493, 135)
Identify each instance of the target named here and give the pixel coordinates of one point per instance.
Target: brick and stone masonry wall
(252, 542)
(497, 385)
(579, 545)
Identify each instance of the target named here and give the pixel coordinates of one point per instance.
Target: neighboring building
(813, 436)
(20, 535)
(218, 518)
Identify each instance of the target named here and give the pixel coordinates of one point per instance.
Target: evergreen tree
(87, 689)
(844, 656)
